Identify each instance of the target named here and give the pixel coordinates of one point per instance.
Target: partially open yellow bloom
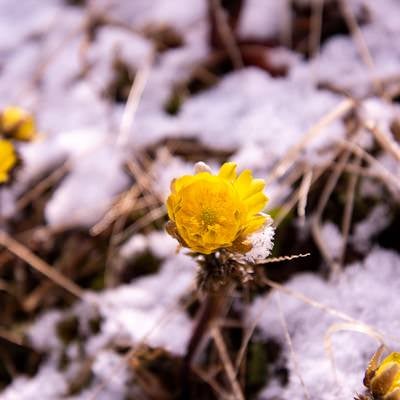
(16, 123)
(210, 212)
(383, 378)
(8, 160)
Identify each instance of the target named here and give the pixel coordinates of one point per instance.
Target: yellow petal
(256, 203)
(178, 184)
(254, 224)
(8, 159)
(18, 124)
(228, 171)
(246, 186)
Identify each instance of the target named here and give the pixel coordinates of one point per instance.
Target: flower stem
(214, 306)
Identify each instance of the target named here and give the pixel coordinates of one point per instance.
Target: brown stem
(215, 305)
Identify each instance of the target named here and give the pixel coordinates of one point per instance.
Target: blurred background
(95, 300)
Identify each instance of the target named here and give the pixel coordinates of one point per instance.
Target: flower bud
(18, 124)
(382, 378)
(8, 160)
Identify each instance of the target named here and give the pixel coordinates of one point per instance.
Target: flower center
(208, 217)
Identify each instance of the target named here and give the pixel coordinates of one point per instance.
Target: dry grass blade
(296, 196)
(349, 326)
(226, 34)
(339, 111)
(144, 180)
(11, 337)
(230, 371)
(316, 26)
(286, 30)
(124, 204)
(307, 300)
(391, 181)
(152, 216)
(132, 103)
(316, 220)
(220, 391)
(316, 304)
(348, 209)
(290, 344)
(290, 178)
(361, 44)
(248, 334)
(43, 185)
(384, 140)
(282, 258)
(38, 264)
(143, 186)
(303, 195)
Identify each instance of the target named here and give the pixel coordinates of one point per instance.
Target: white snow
(262, 243)
(262, 19)
(92, 186)
(332, 238)
(365, 292)
(248, 112)
(48, 382)
(376, 221)
(251, 107)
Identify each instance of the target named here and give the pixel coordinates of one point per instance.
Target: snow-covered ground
(48, 66)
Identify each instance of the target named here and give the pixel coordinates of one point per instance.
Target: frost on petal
(262, 242)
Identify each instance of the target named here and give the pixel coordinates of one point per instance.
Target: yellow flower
(18, 124)
(209, 212)
(8, 160)
(383, 378)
